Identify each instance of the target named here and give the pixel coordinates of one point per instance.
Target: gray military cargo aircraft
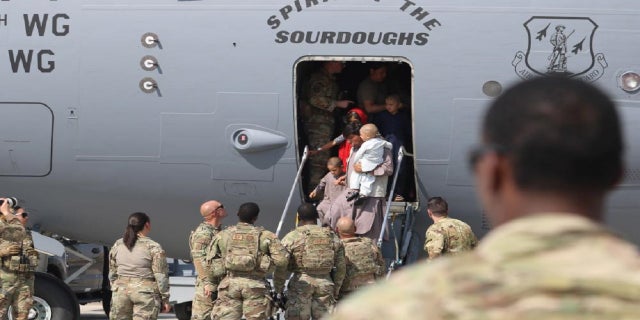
(113, 106)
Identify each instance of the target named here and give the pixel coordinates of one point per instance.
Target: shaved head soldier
(212, 213)
(363, 259)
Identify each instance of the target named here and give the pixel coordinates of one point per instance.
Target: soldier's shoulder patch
(320, 241)
(238, 236)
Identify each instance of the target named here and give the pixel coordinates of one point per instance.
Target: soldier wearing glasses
(553, 150)
(212, 212)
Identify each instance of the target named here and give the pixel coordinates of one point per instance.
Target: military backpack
(360, 258)
(243, 249)
(318, 252)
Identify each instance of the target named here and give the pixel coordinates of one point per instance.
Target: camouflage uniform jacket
(272, 253)
(449, 236)
(294, 242)
(546, 266)
(146, 260)
(358, 251)
(13, 232)
(199, 240)
(321, 92)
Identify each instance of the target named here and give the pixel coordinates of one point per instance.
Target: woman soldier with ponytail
(138, 273)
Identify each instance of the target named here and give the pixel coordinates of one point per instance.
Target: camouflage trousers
(239, 296)
(135, 298)
(16, 291)
(309, 297)
(201, 305)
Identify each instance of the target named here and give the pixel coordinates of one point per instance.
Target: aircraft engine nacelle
(254, 140)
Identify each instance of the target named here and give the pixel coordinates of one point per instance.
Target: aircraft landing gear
(56, 301)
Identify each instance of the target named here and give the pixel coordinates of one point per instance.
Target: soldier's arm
(340, 266)
(199, 242)
(434, 243)
(282, 273)
(113, 266)
(277, 252)
(160, 272)
(29, 247)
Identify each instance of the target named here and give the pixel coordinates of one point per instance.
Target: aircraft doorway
(322, 84)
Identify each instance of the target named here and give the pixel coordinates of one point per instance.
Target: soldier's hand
(4, 208)
(343, 103)
(208, 289)
(166, 307)
(30, 252)
(9, 250)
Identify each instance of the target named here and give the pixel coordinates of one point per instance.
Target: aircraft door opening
(331, 92)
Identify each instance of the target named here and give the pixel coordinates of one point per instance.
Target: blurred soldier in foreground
(551, 151)
(138, 273)
(246, 254)
(19, 261)
(364, 260)
(200, 239)
(446, 235)
(318, 266)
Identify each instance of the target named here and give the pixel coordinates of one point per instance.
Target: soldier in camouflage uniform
(446, 235)
(200, 239)
(552, 150)
(316, 258)
(22, 306)
(364, 260)
(19, 261)
(319, 99)
(138, 273)
(246, 254)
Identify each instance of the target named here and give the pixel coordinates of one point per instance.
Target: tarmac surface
(93, 311)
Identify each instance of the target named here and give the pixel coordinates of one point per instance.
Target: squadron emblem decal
(560, 46)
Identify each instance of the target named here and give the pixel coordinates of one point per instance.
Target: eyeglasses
(477, 152)
(24, 214)
(221, 206)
